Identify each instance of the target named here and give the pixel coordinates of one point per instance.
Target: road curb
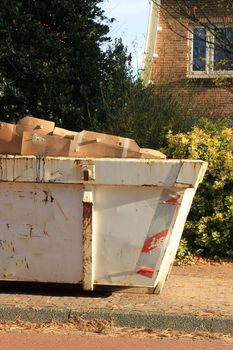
(123, 318)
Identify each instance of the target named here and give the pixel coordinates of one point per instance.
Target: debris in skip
(33, 136)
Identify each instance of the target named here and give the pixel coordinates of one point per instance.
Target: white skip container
(94, 222)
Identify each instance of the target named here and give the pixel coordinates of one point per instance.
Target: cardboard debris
(43, 127)
(33, 136)
(44, 145)
(93, 144)
(148, 153)
(63, 132)
(10, 141)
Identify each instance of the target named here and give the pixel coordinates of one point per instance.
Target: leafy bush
(209, 228)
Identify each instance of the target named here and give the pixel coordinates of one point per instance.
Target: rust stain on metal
(30, 230)
(16, 178)
(86, 175)
(87, 244)
(88, 261)
(32, 192)
(183, 184)
(52, 181)
(45, 230)
(3, 243)
(48, 197)
(87, 224)
(8, 276)
(55, 172)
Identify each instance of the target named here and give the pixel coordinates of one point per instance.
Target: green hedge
(209, 228)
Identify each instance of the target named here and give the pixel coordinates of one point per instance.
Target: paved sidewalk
(196, 297)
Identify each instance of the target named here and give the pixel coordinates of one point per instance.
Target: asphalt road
(51, 341)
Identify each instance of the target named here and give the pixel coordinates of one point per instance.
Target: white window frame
(209, 72)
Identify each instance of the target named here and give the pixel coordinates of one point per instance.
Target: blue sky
(130, 24)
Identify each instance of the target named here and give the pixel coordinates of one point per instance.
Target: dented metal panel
(114, 222)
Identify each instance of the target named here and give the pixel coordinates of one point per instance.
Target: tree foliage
(52, 64)
(146, 114)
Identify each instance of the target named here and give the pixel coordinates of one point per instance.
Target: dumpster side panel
(124, 217)
(174, 241)
(40, 232)
(159, 233)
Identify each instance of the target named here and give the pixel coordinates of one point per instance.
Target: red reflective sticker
(154, 241)
(146, 271)
(173, 200)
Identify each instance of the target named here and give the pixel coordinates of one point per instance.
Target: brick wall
(173, 50)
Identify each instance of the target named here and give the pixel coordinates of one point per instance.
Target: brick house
(190, 49)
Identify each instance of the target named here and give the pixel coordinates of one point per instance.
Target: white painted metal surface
(97, 222)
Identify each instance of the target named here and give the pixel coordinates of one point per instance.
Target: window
(211, 52)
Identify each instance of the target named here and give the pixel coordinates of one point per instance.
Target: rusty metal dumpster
(94, 222)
